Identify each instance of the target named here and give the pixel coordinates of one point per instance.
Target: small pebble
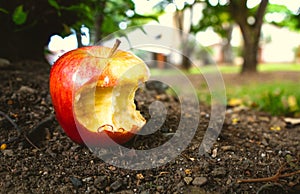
(116, 185)
(7, 152)
(271, 188)
(101, 182)
(126, 192)
(214, 153)
(218, 172)
(160, 188)
(199, 181)
(26, 89)
(188, 180)
(228, 148)
(76, 182)
(87, 179)
(180, 184)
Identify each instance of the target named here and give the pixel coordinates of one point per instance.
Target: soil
(39, 158)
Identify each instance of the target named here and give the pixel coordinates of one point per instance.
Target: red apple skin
(61, 89)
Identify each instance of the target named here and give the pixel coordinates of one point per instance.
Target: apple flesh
(92, 91)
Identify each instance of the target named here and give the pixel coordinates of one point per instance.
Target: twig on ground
(14, 125)
(40, 125)
(275, 177)
(37, 134)
(30, 142)
(11, 121)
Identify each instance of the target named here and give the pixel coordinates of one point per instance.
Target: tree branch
(260, 13)
(238, 10)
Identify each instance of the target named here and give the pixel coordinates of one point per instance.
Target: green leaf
(54, 4)
(84, 11)
(109, 25)
(3, 10)
(19, 16)
(145, 17)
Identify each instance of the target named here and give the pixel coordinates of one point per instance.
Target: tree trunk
(24, 45)
(78, 38)
(250, 60)
(250, 31)
(99, 21)
(186, 63)
(250, 52)
(227, 48)
(98, 24)
(187, 49)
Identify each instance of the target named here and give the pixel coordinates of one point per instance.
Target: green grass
(209, 69)
(231, 69)
(236, 69)
(278, 67)
(279, 98)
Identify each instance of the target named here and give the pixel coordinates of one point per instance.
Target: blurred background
(227, 28)
(240, 36)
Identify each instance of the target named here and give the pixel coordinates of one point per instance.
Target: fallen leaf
(292, 121)
(235, 102)
(275, 128)
(292, 102)
(235, 121)
(240, 108)
(10, 102)
(3, 146)
(266, 119)
(112, 168)
(277, 123)
(140, 176)
(188, 171)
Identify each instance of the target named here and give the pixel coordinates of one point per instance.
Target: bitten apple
(92, 90)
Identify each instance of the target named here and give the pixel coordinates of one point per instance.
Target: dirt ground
(251, 145)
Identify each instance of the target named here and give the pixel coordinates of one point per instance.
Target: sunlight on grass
(261, 68)
(279, 98)
(230, 69)
(279, 67)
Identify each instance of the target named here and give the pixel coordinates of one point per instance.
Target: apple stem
(115, 47)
